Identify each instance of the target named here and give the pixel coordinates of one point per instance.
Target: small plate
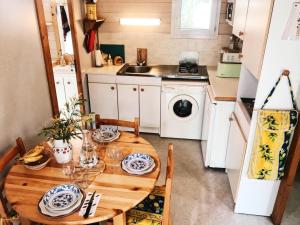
(138, 163)
(61, 197)
(105, 134)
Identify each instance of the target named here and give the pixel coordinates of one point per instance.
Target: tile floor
(202, 196)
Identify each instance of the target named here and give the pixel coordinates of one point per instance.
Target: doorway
(60, 48)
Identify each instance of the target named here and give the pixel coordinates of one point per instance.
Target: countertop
(224, 89)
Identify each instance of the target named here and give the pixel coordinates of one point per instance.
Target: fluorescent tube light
(140, 21)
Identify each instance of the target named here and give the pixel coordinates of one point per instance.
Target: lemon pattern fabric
(273, 136)
(150, 210)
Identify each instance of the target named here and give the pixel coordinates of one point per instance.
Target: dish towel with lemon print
(274, 132)
(150, 210)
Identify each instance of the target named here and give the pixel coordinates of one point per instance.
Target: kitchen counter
(105, 70)
(224, 89)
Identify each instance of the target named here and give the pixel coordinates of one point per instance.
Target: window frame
(211, 33)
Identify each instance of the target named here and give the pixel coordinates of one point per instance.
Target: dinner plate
(58, 214)
(105, 134)
(61, 197)
(138, 163)
(139, 172)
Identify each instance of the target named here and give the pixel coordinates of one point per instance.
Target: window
(195, 18)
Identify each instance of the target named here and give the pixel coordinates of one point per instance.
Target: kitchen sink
(138, 69)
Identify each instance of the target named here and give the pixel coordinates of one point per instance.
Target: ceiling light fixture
(140, 21)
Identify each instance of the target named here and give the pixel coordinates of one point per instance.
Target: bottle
(88, 155)
(109, 61)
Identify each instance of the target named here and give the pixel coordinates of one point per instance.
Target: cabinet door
(240, 16)
(235, 154)
(256, 33)
(128, 101)
(103, 100)
(150, 106)
(60, 92)
(70, 87)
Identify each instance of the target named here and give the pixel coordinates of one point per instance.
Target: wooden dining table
(120, 191)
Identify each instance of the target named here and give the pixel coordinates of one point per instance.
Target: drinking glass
(113, 156)
(68, 168)
(81, 178)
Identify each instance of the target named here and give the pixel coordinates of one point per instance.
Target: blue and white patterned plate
(61, 197)
(106, 134)
(138, 163)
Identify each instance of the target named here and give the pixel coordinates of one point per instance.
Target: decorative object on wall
(274, 133)
(292, 29)
(91, 11)
(141, 57)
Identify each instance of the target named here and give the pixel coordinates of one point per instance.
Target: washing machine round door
(183, 107)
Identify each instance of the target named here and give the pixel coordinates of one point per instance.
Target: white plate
(138, 163)
(65, 212)
(107, 134)
(139, 173)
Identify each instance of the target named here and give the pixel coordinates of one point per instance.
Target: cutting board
(113, 50)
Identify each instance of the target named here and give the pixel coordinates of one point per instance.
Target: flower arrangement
(67, 124)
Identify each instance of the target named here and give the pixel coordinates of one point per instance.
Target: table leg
(120, 219)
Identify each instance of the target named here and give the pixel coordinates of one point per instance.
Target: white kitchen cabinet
(236, 148)
(66, 88)
(215, 130)
(149, 107)
(256, 33)
(103, 99)
(240, 16)
(128, 101)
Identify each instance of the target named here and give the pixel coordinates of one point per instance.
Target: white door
(70, 87)
(128, 101)
(235, 154)
(240, 16)
(150, 106)
(103, 100)
(60, 92)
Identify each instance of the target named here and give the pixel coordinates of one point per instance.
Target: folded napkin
(86, 202)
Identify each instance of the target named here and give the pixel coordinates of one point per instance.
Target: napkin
(86, 202)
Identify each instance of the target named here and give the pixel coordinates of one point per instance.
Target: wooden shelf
(91, 24)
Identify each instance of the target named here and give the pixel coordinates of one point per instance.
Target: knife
(88, 209)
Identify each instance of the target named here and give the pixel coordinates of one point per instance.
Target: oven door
(183, 107)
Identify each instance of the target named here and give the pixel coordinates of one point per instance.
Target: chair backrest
(8, 156)
(168, 184)
(122, 123)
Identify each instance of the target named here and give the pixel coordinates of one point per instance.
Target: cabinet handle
(68, 82)
(57, 82)
(241, 56)
(230, 119)
(134, 89)
(142, 89)
(112, 88)
(241, 33)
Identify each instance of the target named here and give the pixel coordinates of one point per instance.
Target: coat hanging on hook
(292, 29)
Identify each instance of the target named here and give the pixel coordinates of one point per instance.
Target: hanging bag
(273, 136)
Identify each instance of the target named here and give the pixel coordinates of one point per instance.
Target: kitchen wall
(24, 97)
(162, 49)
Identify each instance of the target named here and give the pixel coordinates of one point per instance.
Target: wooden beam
(47, 54)
(75, 50)
(288, 180)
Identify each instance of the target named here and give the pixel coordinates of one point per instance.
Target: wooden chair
(5, 160)
(121, 123)
(159, 193)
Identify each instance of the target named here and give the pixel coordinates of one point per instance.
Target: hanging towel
(64, 21)
(273, 136)
(89, 41)
(292, 30)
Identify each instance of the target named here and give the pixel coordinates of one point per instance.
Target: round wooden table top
(120, 190)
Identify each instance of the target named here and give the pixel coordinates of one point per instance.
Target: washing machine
(182, 109)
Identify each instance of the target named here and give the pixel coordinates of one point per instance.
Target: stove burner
(188, 68)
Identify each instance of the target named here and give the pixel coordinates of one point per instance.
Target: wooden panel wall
(113, 10)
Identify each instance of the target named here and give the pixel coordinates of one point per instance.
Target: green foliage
(67, 124)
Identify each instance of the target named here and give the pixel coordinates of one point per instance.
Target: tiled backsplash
(162, 49)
